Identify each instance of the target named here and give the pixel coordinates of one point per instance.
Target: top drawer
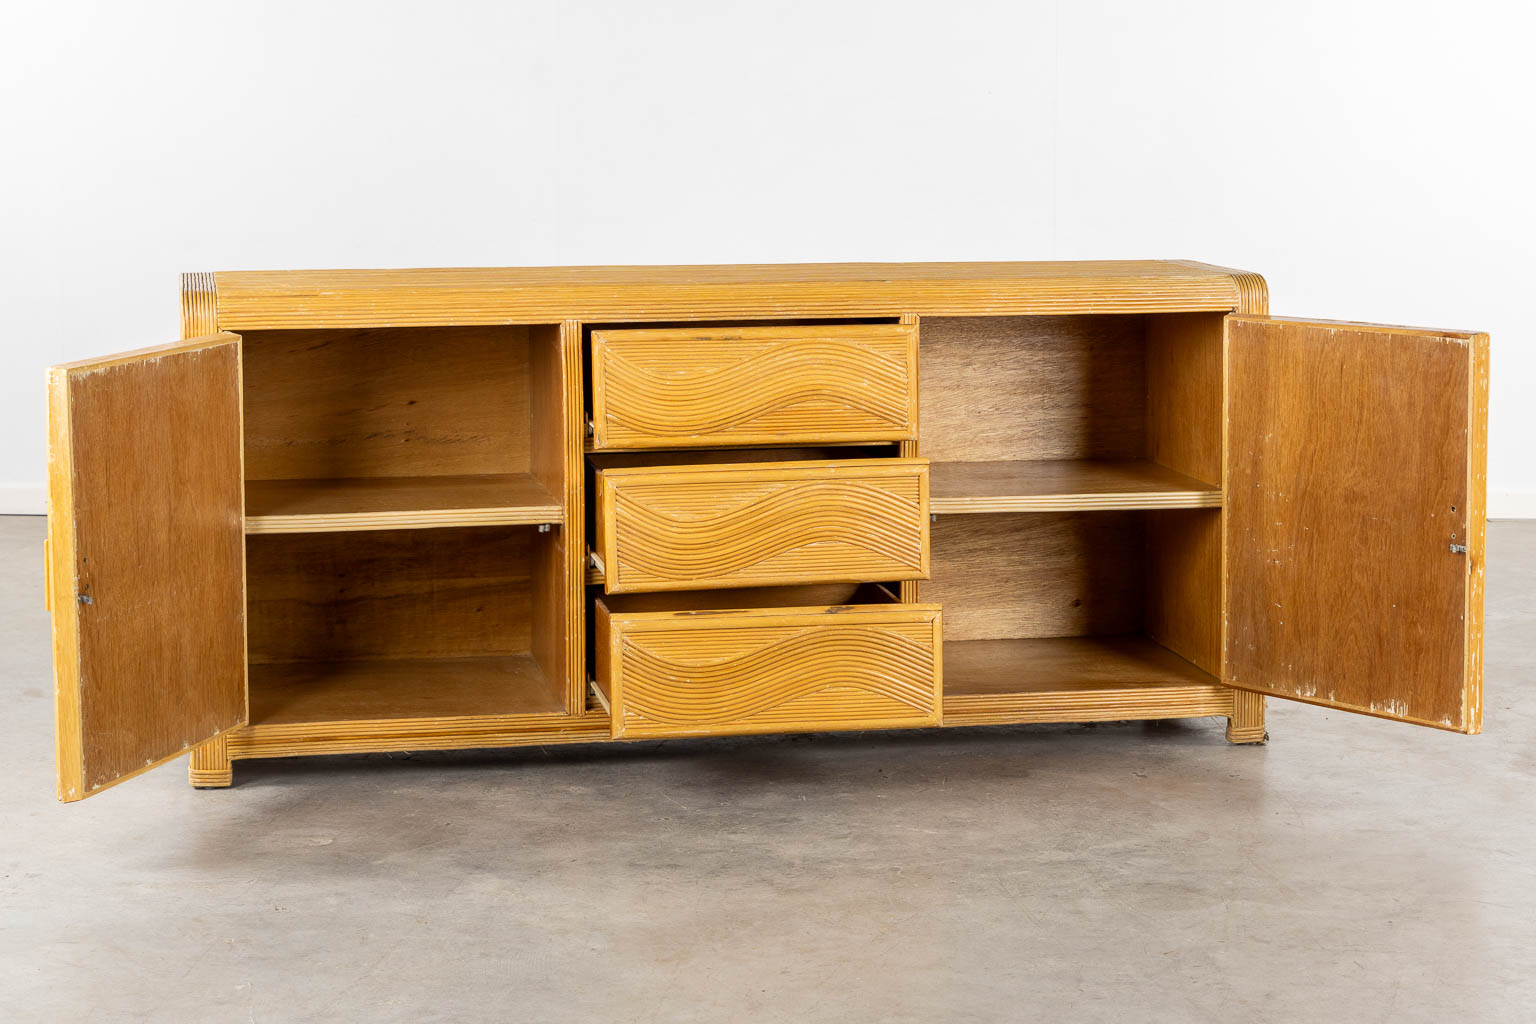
(680, 387)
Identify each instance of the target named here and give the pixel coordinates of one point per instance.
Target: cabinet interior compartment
(382, 428)
(405, 624)
(1058, 413)
(1062, 609)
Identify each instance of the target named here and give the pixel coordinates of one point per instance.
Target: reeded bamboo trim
(401, 735)
(1246, 724)
(1252, 292)
(209, 766)
(1111, 704)
(771, 670)
(199, 305)
(402, 298)
(759, 524)
(759, 385)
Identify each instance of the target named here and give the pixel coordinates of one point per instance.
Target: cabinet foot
(210, 766)
(1246, 725)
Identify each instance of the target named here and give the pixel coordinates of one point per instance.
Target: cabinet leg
(1247, 722)
(210, 766)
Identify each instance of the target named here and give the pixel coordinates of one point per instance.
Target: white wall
(1370, 158)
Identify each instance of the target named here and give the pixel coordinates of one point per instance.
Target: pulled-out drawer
(665, 388)
(761, 524)
(693, 671)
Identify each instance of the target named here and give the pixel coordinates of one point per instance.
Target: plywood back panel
(360, 403)
(394, 593)
(1033, 387)
(1038, 574)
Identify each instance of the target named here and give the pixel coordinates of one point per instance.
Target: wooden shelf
(1073, 485)
(384, 691)
(397, 503)
(1074, 679)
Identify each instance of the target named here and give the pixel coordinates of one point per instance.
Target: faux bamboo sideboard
(423, 509)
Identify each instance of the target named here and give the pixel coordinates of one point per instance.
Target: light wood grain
(397, 503)
(1073, 679)
(1355, 465)
(1184, 393)
(249, 300)
(1184, 579)
(393, 594)
(1038, 574)
(1006, 389)
(457, 732)
(1065, 485)
(147, 558)
(770, 670)
(755, 385)
(666, 528)
(447, 401)
(370, 691)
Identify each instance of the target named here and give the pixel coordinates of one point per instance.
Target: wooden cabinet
(397, 510)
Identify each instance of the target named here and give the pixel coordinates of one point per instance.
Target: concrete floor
(1353, 870)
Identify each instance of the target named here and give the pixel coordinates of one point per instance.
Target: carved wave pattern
(814, 676)
(824, 529)
(803, 385)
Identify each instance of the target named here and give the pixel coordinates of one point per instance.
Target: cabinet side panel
(1184, 584)
(1184, 382)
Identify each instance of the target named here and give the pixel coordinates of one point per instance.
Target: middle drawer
(761, 524)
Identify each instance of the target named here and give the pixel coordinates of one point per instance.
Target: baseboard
(1512, 504)
(23, 500)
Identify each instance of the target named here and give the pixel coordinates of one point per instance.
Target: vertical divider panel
(575, 549)
(555, 366)
(1184, 433)
(547, 401)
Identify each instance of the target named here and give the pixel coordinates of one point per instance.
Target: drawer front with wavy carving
(754, 385)
(761, 524)
(769, 670)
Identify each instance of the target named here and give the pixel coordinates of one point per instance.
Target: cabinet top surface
(380, 298)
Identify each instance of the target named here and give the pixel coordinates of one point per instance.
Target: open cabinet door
(1356, 488)
(146, 557)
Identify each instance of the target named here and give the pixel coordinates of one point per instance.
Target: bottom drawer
(735, 662)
